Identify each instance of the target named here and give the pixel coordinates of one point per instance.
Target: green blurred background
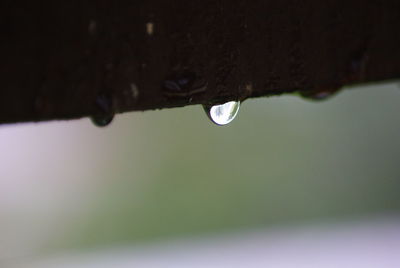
(172, 173)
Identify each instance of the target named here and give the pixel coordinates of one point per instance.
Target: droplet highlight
(222, 114)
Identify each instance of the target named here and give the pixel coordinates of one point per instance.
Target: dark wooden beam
(69, 59)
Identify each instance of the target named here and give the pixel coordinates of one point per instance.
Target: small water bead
(101, 120)
(104, 110)
(222, 114)
(183, 85)
(318, 95)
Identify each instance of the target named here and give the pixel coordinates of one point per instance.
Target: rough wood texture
(58, 57)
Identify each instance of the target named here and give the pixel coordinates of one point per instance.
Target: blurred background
(288, 183)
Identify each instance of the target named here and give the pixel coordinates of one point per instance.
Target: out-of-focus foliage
(173, 173)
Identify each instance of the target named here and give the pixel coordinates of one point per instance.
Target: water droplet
(318, 95)
(222, 114)
(102, 120)
(104, 110)
(185, 84)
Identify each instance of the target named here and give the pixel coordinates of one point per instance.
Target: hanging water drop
(104, 110)
(102, 120)
(183, 85)
(222, 114)
(318, 95)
